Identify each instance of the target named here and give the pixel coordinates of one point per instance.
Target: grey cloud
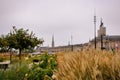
(62, 18)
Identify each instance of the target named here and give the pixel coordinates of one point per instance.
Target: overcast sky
(62, 18)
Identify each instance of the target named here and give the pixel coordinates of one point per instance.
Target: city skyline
(61, 18)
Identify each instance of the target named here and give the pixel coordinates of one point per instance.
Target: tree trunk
(19, 54)
(10, 56)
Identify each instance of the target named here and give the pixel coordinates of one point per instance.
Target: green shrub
(21, 71)
(44, 69)
(15, 72)
(1, 59)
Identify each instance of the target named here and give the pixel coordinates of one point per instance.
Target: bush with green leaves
(22, 71)
(1, 59)
(15, 72)
(43, 70)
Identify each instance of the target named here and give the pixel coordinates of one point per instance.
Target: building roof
(109, 37)
(114, 37)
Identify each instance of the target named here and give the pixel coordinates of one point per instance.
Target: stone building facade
(66, 48)
(109, 42)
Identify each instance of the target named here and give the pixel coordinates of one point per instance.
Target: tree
(3, 43)
(21, 39)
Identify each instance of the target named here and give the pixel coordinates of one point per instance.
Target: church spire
(53, 44)
(101, 24)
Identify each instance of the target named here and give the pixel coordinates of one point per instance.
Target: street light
(95, 31)
(71, 43)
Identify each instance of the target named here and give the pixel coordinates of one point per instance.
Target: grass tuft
(88, 65)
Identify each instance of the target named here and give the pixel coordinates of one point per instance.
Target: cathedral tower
(102, 30)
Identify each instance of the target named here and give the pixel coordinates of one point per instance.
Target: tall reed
(88, 65)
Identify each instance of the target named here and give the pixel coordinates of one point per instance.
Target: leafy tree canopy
(20, 39)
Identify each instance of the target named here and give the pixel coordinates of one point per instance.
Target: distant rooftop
(109, 37)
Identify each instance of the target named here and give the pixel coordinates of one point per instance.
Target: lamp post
(95, 31)
(101, 41)
(71, 43)
(102, 34)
